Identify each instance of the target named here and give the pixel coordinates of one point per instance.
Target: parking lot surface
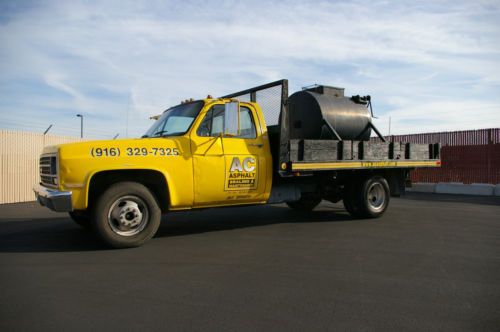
(432, 262)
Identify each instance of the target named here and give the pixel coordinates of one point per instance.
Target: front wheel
(126, 215)
(368, 198)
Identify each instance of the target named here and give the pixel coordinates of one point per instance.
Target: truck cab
(205, 153)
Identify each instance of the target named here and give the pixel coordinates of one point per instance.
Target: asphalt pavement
(432, 262)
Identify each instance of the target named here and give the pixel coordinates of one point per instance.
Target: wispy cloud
(429, 65)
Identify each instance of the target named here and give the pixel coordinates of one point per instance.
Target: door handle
(256, 145)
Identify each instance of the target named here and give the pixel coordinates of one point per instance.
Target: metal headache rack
(320, 128)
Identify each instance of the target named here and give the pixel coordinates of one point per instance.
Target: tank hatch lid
(326, 90)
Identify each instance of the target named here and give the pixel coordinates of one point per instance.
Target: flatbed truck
(257, 146)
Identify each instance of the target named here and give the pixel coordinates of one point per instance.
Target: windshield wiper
(174, 133)
(159, 133)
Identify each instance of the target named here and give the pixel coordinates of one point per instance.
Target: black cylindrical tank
(311, 110)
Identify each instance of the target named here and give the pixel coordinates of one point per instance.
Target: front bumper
(59, 201)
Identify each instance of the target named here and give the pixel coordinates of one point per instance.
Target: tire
(81, 218)
(368, 198)
(126, 215)
(348, 201)
(305, 203)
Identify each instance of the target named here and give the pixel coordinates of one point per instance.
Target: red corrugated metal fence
(470, 156)
(466, 163)
(453, 138)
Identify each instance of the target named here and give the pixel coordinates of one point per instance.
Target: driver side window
(213, 123)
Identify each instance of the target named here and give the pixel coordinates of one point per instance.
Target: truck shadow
(62, 235)
(46, 235)
(202, 221)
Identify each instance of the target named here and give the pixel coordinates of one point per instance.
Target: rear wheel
(348, 201)
(305, 203)
(367, 198)
(126, 215)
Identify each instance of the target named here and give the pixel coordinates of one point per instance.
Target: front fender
(78, 166)
(82, 199)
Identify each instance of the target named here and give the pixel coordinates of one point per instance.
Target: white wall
(19, 163)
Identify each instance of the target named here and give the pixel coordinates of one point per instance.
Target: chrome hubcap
(128, 216)
(376, 196)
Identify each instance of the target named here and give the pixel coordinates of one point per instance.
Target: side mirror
(232, 119)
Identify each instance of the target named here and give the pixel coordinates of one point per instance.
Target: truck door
(229, 170)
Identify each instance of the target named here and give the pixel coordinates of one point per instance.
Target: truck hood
(116, 148)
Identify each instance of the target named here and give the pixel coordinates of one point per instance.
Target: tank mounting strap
(334, 132)
(377, 132)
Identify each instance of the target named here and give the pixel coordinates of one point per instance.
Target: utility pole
(128, 110)
(81, 124)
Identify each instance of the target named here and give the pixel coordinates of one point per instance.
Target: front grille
(48, 170)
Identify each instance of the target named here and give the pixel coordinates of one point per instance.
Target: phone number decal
(141, 152)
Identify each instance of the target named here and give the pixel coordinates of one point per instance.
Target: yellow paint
(199, 171)
(364, 164)
(194, 169)
(77, 165)
(213, 157)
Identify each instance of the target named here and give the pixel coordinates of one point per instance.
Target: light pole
(81, 124)
(45, 133)
(47, 130)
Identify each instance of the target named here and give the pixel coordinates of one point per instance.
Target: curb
(457, 188)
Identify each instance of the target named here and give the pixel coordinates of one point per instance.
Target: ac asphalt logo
(242, 174)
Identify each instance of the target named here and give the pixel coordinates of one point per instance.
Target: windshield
(175, 121)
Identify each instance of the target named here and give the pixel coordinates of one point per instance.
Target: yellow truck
(218, 152)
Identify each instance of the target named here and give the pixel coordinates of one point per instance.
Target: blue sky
(428, 65)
